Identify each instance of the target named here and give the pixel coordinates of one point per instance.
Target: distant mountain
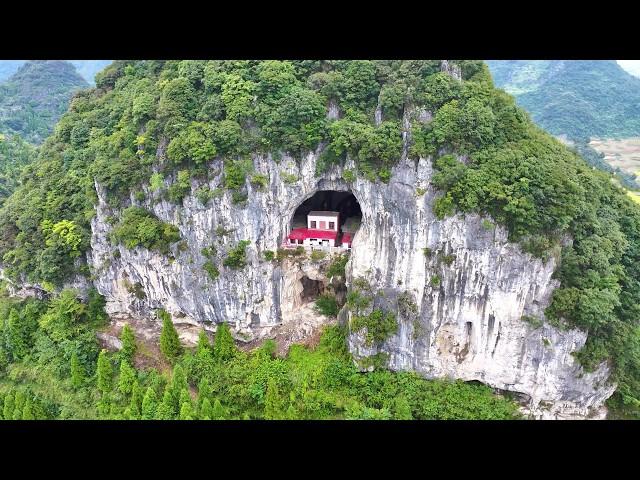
(33, 99)
(86, 68)
(576, 98)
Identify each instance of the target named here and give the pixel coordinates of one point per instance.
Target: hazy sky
(631, 66)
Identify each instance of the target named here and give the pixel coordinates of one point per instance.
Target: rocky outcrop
(471, 287)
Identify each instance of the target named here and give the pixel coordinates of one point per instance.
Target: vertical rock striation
(467, 325)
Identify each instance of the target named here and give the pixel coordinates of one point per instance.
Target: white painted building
(323, 220)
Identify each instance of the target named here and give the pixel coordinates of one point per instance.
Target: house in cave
(323, 231)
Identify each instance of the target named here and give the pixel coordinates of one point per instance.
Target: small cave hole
(311, 289)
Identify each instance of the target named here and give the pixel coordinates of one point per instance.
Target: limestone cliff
(468, 325)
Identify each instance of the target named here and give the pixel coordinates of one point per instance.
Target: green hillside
(201, 110)
(33, 99)
(86, 68)
(15, 153)
(577, 98)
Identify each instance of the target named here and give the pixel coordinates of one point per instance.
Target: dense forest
(579, 99)
(15, 153)
(147, 121)
(35, 97)
(53, 368)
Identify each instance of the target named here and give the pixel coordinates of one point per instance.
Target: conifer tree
(9, 403)
(149, 404)
(223, 346)
(185, 397)
(166, 409)
(204, 346)
(104, 372)
(186, 411)
(178, 384)
(186, 406)
(218, 412)
(19, 405)
(206, 410)
(126, 378)
(27, 410)
(1, 405)
(136, 401)
(77, 371)
(170, 344)
(273, 403)
(17, 336)
(129, 346)
(291, 413)
(204, 390)
(104, 406)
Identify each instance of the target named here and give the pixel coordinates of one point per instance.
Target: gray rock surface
(469, 326)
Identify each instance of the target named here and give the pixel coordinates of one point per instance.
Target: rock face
(467, 322)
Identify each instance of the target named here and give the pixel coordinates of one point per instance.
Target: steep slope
(33, 99)
(153, 182)
(15, 153)
(577, 98)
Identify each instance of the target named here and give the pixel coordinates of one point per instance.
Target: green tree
(206, 411)
(166, 409)
(224, 347)
(128, 343)
(179, 383)
(402, 409)
(19, 405)
(104, 372)
(204, 389)
(27, 410)
(127, 378)
(77, 371)
(186, 406)
(203, 349)
(9, 405)
(135, 404)
(149, 404)
(186, 411)
(170, 344)
(18, 335)
(274, 405)
(218, 412)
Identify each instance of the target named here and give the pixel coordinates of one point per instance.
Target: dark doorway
(331, 200)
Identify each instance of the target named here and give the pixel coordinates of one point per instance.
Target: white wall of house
(310, 242)
(323, 222)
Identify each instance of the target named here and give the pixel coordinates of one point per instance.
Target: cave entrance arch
(326, 218)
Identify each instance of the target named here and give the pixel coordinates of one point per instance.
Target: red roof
(346, 237)
(304, 233)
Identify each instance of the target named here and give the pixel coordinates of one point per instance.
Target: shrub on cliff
(237, 256)
(139, 227)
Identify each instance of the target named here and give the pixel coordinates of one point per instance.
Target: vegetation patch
(327, 305)
(139, 227)
(237, 257)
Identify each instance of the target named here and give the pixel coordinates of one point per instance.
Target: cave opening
(311, 289)
(329, 218)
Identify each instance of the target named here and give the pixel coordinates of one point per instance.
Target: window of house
(313, 224)
(332, 225)
(300, 242)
